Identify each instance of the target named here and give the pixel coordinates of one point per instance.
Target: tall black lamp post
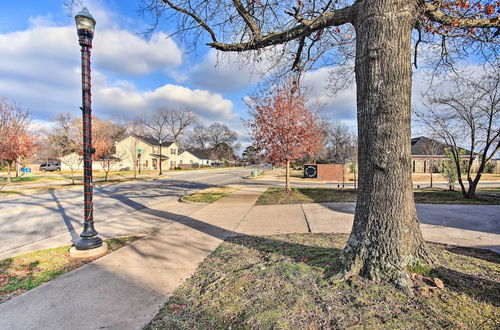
(85, 25)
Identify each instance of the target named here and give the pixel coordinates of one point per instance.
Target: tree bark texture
(385, 237)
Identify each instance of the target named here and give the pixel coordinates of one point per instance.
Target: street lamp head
(84, 20)
(85, 25)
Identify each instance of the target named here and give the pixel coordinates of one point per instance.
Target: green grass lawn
(29, 179)
(306, 195)
(495, 190)
(209, 195)
(78, 176)
(328, 195)
(282, 282)
(27, 271)
(439, 196)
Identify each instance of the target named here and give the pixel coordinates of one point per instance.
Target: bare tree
(65, 138)
(73, 162)
(103, 149)
(217, 139)
(430, 149)
(469, 114)
(156, 126)
(178, 120)
(197, 138)
(340, 145)
(386, 237)
(134, 128)
(65, 135)
(221, 140)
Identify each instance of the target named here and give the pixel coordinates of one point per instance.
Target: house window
(180, 162)
(191, 161)
(413, 166)
(425, 166)
(173, 151)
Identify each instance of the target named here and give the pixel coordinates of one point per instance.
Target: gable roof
(154, 142)
(198, 154)
(424, 146)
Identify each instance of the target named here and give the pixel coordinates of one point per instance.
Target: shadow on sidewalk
(451, 216)
(67, 220)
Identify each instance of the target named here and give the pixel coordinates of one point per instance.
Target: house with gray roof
(427, 153)
(190, 158)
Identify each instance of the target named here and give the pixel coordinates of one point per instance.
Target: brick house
(427, 153)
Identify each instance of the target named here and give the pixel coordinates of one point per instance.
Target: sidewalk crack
(306, 218)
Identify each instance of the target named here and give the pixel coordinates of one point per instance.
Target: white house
(146, 152)
(71, 162)
(191, 157)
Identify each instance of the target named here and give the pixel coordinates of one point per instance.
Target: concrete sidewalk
(125, 289)
(465, 225)
(135, 222)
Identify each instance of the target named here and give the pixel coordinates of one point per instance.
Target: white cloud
(29, 52)
(341, 106)
(120, 99)
(224, 74)
(122, 52)
(229, 72)
(40, 67)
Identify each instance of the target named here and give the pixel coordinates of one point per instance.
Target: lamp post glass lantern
(85, 25)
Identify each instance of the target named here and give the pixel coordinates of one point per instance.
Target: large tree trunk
(385, 237)
(471, 192)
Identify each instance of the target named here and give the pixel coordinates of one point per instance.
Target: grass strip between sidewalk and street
(329, 195)
(283, 281)
(209, 195)
(27, 271)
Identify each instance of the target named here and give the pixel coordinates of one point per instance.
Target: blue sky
(40, 67)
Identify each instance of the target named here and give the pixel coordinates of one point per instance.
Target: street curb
(182, 200)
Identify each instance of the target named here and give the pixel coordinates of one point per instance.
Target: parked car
(50, 167)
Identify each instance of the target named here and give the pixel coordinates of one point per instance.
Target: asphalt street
(29, 218)
(33, 217)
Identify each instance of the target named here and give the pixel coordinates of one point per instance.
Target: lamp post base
(75, 253)
(88, 243)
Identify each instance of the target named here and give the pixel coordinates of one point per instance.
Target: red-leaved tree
(284, 127)
(103, 145)
(15, 140)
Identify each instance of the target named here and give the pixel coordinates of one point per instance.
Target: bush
(490, 167)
